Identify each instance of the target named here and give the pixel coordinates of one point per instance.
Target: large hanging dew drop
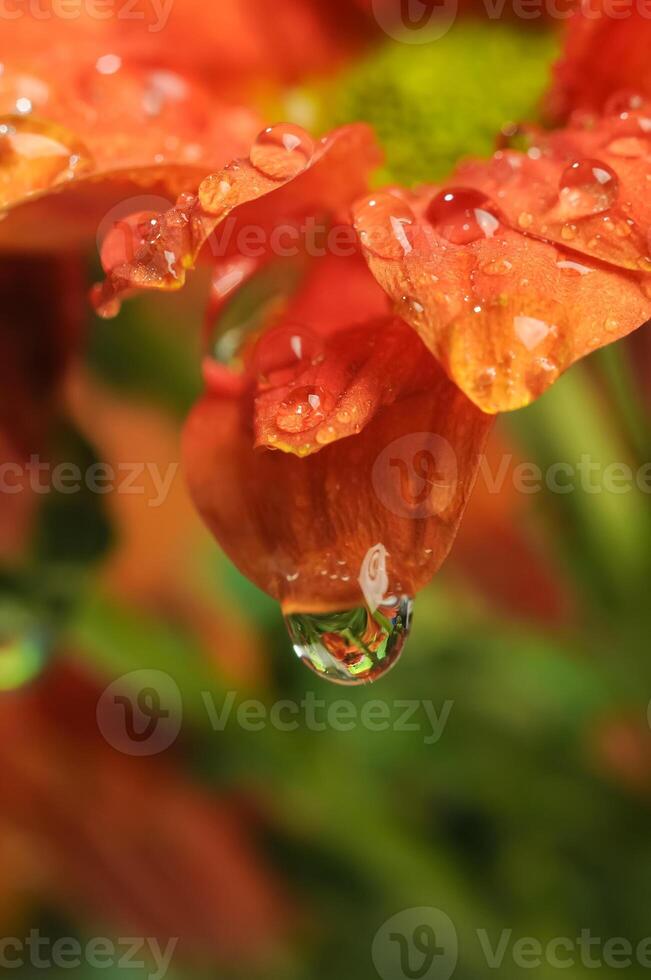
(35, 156)
(463, 216)
(282, 152)
(386, 226)
(587, 187)
(354, 646)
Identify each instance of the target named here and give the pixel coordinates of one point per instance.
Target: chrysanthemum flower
(512, 271)
(339, 438)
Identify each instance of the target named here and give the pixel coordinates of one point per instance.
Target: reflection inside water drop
(354, 646)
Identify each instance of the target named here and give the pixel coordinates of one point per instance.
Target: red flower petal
(503, 312)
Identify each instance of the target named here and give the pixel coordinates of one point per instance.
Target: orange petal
(503, 312)
(328, 362)
(585, 187)
(335, 394)
(286, 180)
(65, 124)
(301, 529)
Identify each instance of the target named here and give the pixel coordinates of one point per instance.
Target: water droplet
(612, 324)
(326, 435)
(548, 368)
(37, 155)
(216, 191)
(568, 232)
(353, 646)
(574, 268)
(463, 216)
(498, 267)
(408, 306)
(282, 151)
(485, 380)
(525, 220)
(531, 330)
(283, 349)
(629, 147)
(306, 407)
(587, 187)
(385, 225)
(21, 93)
(108, 64)
(127, 236)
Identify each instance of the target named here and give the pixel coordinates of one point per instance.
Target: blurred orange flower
(129, 841)
(606, 54)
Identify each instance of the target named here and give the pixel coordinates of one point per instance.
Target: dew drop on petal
(498, 267)
(587, 187)
(282, 151)
(385, 225)
(531, 331)
(409, 306)
(354, 646)
(463, 216)
(283, 349)
(35, 156)
(571, 268)
(305, 408)
(215, 192)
